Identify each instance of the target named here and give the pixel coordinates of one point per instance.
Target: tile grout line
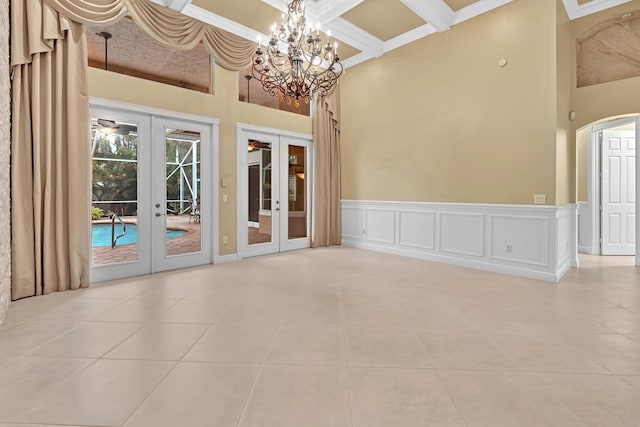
(262, 363)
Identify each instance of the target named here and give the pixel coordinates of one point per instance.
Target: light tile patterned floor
(329, 337)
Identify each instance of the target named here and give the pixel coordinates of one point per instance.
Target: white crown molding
(354, 60)
(575, 10)
(409, 36)
(222, 23)
(477, 8)
(435, 12)
(178, 5)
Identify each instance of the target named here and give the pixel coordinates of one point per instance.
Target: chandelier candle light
(309, 68)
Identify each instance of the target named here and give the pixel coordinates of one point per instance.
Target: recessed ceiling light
(626, 15)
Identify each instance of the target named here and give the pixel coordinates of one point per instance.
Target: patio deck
(187, 243)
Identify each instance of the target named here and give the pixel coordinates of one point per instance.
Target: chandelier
(310, 67)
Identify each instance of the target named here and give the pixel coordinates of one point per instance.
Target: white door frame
(594, 179)
(244, 130)
(160, 261)
(209, 211)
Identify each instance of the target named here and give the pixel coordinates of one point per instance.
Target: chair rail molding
(537, 242)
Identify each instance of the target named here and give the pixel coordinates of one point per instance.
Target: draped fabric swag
(50, 156)
(170, 28)
(326, 229)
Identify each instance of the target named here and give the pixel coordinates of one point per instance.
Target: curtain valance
(170, 28)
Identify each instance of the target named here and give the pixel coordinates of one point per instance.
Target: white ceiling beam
(281, 5)
(334, 9)
(345, 31)
(477, 8)
(435, 12)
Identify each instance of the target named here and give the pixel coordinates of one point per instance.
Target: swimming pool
(101, 234)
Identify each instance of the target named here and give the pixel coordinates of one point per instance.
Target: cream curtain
(50, 127)
(49, 152)
(170, 28)
(326, 230)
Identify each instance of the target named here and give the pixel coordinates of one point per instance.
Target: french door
(152, 204)
(274, 186)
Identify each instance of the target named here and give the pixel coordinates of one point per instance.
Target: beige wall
(224, 105)
(564, 149)
(439, 120)
(582, 149)
(5, 125)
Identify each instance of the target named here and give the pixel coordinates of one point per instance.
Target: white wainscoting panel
(352, 223)
(417, 229)
(564, 234)
(381, 226)
(523, 240)
(586, 243)
(462, 233)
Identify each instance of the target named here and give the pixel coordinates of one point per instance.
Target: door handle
(277, 209)
(159, 214)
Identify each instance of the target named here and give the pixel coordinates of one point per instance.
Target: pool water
(101, 234)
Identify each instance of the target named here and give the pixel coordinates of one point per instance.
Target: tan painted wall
(5, 127)
(582, 149)
(224, 105)
(564, 150)
(438, 120)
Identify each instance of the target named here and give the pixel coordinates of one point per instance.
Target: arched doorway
(607, 186)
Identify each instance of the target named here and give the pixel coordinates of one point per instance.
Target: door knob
(157, 205)
(159, 214)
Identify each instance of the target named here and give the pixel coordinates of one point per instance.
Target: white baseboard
(536, 242)
(221, 259)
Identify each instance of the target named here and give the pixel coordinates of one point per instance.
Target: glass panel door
(182, 213)
(275, 186)
(297, 183)
(152, 193)
(261, 208)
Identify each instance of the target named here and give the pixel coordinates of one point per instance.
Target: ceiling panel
(459, 4)
(253, 14)
(384, 19)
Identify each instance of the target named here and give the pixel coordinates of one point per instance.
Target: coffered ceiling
(364, 29)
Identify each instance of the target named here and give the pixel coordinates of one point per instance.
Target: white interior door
(274, 193)
(151, 193)
(618, 192)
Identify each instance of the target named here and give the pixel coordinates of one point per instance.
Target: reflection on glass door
(182, 192)
(297, 212)
(114, 191)
(260, 190)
